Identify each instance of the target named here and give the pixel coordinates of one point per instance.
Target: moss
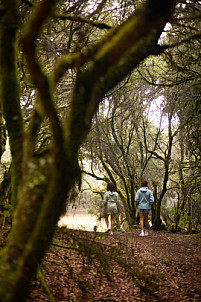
(196, 237)
(44, 287)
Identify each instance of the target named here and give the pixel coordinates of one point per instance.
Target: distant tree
(177, 72)
(186, 178)
(116, 143)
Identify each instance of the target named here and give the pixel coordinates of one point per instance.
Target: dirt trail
(175, 259)
(172, 260)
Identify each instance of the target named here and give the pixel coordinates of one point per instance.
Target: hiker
(110, 200)
(144, 198)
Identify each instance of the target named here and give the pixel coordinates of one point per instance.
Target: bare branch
(80, 19)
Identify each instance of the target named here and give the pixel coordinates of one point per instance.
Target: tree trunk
(167, 159)
(154, 205)
(182, 195)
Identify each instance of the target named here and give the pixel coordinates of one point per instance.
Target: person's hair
(111, 187)
(144, 183)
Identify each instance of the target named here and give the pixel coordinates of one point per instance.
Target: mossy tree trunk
(183, 192)
(153, 206)
(4, 186)
(166, 160)
(40, 184)
(10, 91)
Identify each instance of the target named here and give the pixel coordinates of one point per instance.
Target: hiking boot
(142, 233)
(107, 230)
(146, 233)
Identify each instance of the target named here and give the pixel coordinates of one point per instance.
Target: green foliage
(90, 211)
(196, 237)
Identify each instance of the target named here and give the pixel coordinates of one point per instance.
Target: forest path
(175, 259)
(172, 261)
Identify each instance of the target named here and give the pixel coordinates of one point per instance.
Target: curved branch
(126, 47)
(80, 19)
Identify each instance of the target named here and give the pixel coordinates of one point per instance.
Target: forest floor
(88, 266)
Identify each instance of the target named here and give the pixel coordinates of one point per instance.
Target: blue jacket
(144, 198)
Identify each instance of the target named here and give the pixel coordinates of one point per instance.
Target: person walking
(111, 201)
(144, 198)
